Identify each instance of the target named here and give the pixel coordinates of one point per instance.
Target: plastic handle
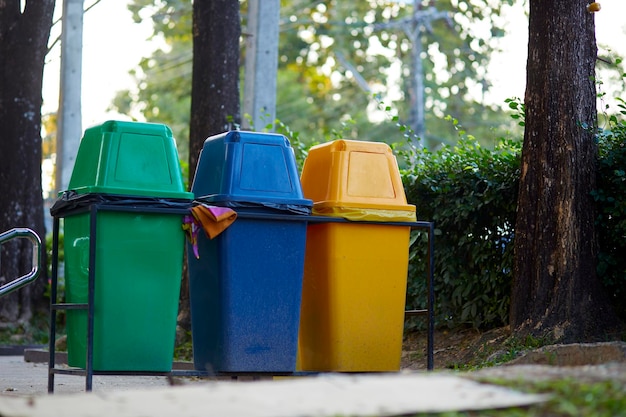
(36, 265)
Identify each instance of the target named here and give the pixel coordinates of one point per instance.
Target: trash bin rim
(355, 205)
(292, 206)
(374, 213)
(70, 202)
(100, 189)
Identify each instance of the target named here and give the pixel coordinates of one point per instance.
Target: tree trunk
(555, 286)
(215, 104)
(215, 80)
(23, 47)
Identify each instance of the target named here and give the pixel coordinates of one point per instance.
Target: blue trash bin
(245, 287)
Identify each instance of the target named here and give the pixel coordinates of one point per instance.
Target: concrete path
(23, 393)
(19, 378)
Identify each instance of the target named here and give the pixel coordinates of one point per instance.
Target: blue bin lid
(239, 168)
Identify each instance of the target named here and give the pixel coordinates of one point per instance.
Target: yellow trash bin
(355, 274)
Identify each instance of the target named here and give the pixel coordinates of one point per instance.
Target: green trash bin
(139, 254)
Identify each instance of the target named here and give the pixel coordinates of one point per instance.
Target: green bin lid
(128, 158)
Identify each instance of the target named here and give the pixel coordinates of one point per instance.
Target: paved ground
(20, 378)
(23, 393)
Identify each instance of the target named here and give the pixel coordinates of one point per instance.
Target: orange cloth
(214, 220)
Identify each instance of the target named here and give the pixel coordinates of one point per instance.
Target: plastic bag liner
(71, 201)
(266, 206)
(366, 214)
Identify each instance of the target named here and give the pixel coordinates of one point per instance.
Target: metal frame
(24, 280)
(94, 208)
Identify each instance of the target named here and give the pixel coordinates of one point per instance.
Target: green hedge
(470, 192)
(611, 208)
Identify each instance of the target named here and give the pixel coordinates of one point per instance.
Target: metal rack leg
(429, 227)
(53, 300)
(93, 222)
(431, 298)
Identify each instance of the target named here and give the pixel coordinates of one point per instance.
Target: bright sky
(509, 66)
(113, 45)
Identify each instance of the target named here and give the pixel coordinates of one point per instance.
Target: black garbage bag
(71, 202)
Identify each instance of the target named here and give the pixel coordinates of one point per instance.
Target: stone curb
(60, 358)
(575, 354)
(16, 350)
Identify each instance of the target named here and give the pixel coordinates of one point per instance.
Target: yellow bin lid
(356, 180)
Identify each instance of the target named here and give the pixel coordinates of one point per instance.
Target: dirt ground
(471, 349)
(451, 348)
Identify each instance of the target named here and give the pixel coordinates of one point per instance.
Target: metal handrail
(24, 280)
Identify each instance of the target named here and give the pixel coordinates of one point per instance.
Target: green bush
(470, 193)
(611, 208)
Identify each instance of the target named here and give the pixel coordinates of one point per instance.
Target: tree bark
(23, 47)
(215, 106)
(555, 286)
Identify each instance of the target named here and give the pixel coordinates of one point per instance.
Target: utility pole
(69, 124)
(261, 63)
(420, 20)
